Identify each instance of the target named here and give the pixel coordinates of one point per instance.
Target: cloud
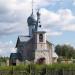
(69, 27)
(63, 19)
(14, 14)
(73, 2)
(6, 48)
(66, 14)
(67, 20)
(16, 11)
(54, 33)
(13, 28)
(49, 16)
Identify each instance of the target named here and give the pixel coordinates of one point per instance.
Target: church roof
(24, 38)
(13, 56)
(54, 55)
(49, 42)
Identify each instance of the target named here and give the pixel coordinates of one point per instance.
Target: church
(35, 47)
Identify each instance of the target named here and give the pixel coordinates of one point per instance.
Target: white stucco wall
(42, 54)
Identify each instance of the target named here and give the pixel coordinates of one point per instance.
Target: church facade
(35, 47)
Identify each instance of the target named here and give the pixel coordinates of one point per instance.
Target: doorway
(41, 60)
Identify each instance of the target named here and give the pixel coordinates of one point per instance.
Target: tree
(58, 50)
(66, 51)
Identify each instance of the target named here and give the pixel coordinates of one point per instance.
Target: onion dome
(31, 20)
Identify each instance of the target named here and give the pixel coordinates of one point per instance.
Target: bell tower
(41, 50)
(40, 35)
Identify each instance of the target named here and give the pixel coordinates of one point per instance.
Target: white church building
(35, 47)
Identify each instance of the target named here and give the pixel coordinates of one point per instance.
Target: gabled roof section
(13, 56)
(22, 39)
(49, 42)
(54, 55)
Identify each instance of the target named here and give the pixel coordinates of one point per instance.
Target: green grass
(38, 67)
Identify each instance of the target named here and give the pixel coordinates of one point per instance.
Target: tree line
(65, 51)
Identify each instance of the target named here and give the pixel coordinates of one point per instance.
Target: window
(40, 37)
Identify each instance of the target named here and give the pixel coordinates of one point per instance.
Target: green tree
(58, 50)
(66, 51)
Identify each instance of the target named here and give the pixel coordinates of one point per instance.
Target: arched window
(40, 37)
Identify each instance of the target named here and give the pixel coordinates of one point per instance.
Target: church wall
(28, 51)
(41, 46)
(42, 54)
(49, 47)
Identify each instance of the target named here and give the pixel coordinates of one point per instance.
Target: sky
(57, 18)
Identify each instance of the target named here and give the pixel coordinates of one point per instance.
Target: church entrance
(41, 60)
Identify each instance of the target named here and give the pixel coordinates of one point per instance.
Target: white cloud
(14, 14)
(63, 19)
(17, 12)
(67, 20)
(65, 14)
(52, 33)
(6, 48)
(0, 51)
(69, 27)
(49, 16)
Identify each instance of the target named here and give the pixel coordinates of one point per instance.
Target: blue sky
(57, 18)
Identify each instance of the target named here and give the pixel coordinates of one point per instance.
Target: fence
(43, 72)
